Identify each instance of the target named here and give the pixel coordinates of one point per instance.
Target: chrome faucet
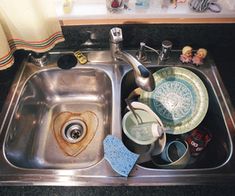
(143, 77)
(162, 55)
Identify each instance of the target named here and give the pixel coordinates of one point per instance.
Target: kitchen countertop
(7, 76)
(226, 67)
(215, 190)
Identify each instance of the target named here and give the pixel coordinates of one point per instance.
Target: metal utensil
(138, 119)
(144, 129)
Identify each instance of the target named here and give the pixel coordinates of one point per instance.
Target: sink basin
(219, 149)
(54, 122)
(31, 141)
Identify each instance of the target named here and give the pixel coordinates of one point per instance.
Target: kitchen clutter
(175, 155)
(180, 99)
(198, 140)
(200, 6)
(144, 133)
(144, 140)
(148, 128)
(176, 108)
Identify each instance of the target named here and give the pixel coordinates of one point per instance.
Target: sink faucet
(143, 77)
(162, 55)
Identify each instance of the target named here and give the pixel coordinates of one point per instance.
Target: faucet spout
(143, 77)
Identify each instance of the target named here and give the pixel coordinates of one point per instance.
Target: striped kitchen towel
(27, 24)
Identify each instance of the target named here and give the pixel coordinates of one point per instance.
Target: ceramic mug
(180, 163)
(173, 151)
(147, 149)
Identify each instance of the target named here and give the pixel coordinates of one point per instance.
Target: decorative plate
(180, 99)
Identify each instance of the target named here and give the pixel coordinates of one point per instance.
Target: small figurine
(186, 56)
(199, 56)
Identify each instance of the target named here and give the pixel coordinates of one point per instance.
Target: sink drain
(74, 131)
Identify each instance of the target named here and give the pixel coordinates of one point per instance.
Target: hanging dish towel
(27, 24)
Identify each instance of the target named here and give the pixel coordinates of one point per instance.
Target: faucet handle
(166, 50)
(116, 35)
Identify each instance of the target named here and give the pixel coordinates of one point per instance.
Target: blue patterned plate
(180, 99)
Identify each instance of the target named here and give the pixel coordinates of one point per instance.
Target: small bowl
(129, 121)
(173, 151)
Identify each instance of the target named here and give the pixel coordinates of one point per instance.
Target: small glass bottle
(67, 6)
(142, 3)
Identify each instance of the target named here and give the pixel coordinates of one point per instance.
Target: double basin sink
(42, 98)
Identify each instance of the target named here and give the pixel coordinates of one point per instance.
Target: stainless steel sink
(31, 141)
(30, 153)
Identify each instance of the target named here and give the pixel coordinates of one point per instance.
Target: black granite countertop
(226, 66)
(215, 190)
(7, 76)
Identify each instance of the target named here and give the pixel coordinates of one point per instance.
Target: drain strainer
(74, 131)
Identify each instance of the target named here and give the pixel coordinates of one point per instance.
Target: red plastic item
(198, 140)
(115, 4)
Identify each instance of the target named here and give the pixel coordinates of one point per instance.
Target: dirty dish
(143, 134)
(179, 163)
(153, 128)
(173, 151)
(180, 99)
(142, 106)
(147, 151)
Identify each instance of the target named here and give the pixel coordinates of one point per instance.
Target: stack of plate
(180, 99)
